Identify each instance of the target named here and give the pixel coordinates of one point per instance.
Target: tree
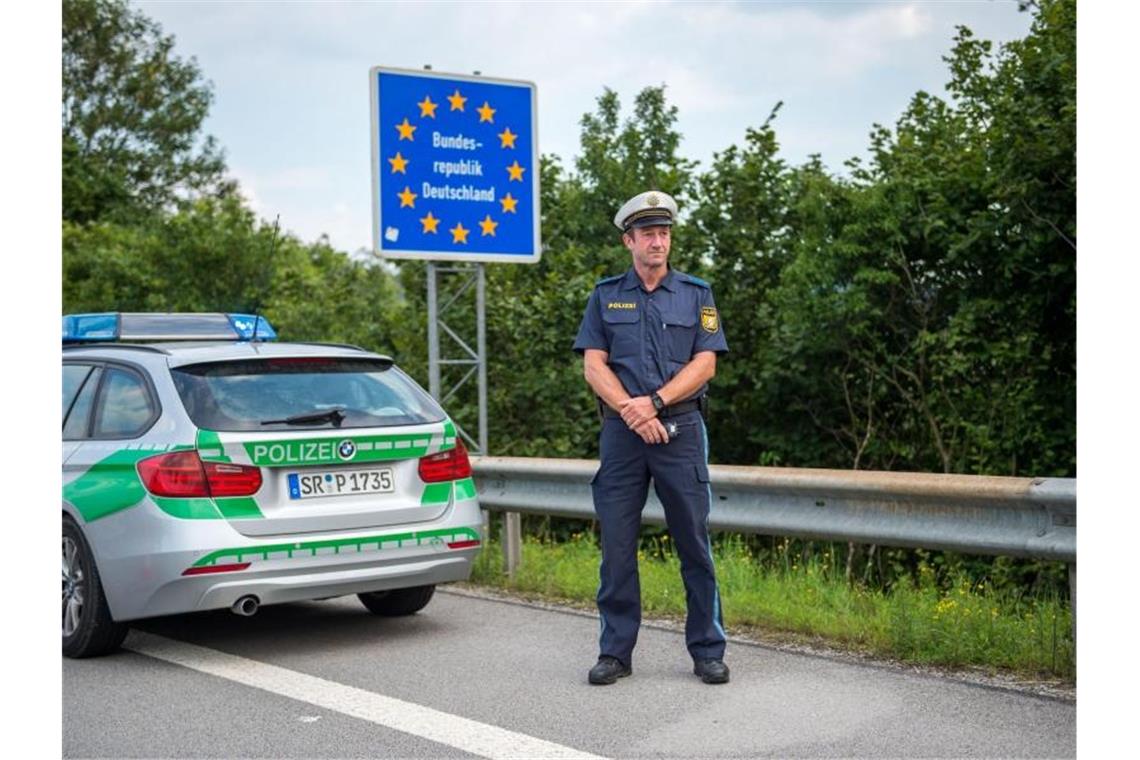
(209, 256)
(738, 238)
(945, 292)
(132, 117)
(620, 159)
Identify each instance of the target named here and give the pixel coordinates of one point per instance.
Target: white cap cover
(646, 209)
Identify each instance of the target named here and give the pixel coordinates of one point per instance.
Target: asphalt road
(476, 677)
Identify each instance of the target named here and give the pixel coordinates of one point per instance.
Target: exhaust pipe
(246, 606)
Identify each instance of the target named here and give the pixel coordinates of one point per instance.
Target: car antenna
(257, 306)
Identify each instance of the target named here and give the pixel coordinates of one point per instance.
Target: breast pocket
(624, 329)
(680, 336)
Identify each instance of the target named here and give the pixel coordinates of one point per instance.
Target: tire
(88, 629)
(397, 602)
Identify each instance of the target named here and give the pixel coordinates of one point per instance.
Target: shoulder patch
(695, 281)
(710, 320)
(604, 280)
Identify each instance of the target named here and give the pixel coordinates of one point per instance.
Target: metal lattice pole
(476, 362)
(433, 332)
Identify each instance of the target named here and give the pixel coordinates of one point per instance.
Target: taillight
(448, 465)
(232, 479)
(183, 474)
(177, 474)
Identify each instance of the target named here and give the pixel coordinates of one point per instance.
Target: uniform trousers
(680, 474)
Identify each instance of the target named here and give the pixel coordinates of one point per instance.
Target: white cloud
(312, 178)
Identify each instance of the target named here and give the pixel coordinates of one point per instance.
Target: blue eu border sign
(454, 167)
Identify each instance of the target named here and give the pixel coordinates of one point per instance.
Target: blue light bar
(116, 326)
(83, 328)
(244, 326)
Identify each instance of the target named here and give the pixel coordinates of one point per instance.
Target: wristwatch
(658, 404)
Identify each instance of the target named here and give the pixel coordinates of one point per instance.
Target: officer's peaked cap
(648, 209)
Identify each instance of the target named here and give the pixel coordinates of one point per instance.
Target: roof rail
(125, 346)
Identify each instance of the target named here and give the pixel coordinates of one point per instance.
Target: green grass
(964, 625)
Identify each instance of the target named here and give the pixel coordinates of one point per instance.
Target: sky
(290, 80)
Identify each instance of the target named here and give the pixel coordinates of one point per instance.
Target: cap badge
(652, 200)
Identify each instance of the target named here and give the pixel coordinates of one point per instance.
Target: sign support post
(475, 359)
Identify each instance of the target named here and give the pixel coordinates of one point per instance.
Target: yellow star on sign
(456, 101)
(407, 198)
(427, 108)
(430, 223)
(399, 163)
(515, 172)
(509, 204)
(486, 113)
(488, 226)
(458, 233)
(507, 138)
(406, 130)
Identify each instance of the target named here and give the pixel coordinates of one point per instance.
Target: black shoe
(711, 671)
(608, 670)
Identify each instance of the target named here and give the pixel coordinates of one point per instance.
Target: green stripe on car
(197, 508)
(436, 493)
(210, 446)
(310, 548)
(464, 489)
(238, 508)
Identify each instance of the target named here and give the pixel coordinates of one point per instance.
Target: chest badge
(710, 322)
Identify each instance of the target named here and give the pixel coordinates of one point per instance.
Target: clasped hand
(640, 416)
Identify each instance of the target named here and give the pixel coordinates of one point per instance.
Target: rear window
(265, 394)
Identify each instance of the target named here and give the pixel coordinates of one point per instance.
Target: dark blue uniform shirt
(651, 336)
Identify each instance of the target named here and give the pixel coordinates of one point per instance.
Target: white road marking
(462, 733)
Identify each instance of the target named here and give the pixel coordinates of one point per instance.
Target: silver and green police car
(207, 467)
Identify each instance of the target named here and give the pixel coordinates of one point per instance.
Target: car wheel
(397, 602)
(88, 629)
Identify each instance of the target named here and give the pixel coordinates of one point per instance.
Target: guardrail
(1018, 517)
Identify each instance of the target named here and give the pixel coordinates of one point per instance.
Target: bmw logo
(346, 450)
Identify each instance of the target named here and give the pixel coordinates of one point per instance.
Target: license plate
(314, 485)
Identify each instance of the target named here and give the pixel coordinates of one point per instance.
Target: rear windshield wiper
(335, 415)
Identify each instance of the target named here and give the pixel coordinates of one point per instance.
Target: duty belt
(682, 407)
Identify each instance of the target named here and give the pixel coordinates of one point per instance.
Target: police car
(206, 466)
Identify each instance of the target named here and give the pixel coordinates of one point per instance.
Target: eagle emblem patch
(709, 320)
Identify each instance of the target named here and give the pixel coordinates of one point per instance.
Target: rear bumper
(194, 565)
(276, 586)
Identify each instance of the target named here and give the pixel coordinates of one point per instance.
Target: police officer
(650, 339)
